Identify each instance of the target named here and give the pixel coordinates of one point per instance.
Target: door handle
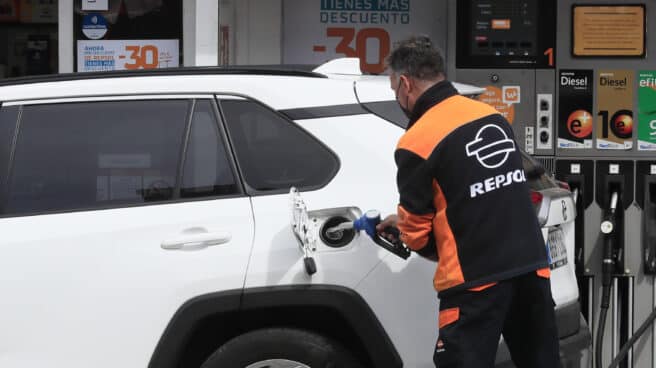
(197, 240)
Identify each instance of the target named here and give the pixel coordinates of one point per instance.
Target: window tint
(207, 171)
(86, 155)
(8, 117)
(273, 153)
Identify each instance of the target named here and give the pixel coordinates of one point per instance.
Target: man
(464, 200)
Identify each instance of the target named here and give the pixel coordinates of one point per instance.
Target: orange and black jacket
(463, 193)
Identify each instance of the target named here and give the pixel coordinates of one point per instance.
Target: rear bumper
(575, 349)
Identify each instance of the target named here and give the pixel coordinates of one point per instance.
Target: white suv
(146, 222)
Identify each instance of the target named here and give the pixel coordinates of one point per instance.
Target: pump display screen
(503, 27)
(505, 34)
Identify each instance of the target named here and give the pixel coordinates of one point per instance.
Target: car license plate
(556, 248)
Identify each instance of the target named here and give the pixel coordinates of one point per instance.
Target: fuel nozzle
(368, 223)
(608, 227)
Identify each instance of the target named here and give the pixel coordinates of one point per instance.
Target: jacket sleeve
(416, 209)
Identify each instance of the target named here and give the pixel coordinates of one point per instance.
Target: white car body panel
(95, 289)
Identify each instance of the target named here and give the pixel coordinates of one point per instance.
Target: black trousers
(521, 309)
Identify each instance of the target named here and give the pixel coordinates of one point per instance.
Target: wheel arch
(206, 322)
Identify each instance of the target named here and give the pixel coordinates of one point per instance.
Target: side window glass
(274, 153)
(75, 156)
(8, 119)
(207, 170)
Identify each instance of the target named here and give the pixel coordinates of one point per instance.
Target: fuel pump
(614, 194)
(579, 175)
(610, 255)
(646, 198)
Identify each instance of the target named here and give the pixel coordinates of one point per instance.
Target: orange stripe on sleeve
(415, 229)
(449, 272)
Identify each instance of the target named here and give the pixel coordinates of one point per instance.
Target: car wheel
(281, 348)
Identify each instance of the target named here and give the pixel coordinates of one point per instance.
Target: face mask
(407, 112)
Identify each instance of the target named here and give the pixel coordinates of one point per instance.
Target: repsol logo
(496, 182)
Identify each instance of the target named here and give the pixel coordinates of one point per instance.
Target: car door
(275, 154)
(116, 212)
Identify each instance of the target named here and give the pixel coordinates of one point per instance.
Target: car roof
(330, 84)
(280, 89)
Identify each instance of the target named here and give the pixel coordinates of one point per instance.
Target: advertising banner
(107, 55)
(575, 109)
(615, 110)
(320, 30)
(647, 110)
(502, 99)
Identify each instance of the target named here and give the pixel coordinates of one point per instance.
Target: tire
(281, 348)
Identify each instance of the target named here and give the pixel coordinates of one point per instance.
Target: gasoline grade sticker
(556, 248)
(575, 169)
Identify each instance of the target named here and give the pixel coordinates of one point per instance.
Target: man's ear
(406, 82)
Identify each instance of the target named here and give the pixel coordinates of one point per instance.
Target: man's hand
(384, 228)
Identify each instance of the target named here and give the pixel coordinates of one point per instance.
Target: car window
(207, 171)
(73, 156)
(273, 153)
(8, 117)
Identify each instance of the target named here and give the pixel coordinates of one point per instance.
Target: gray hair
(416, 57)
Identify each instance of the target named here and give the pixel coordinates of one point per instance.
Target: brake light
(563, 185)
(536, 197)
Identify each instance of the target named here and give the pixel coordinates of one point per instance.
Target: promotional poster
(647, 111)
(575, 114)
(107, 55)
(317, 31)
(614, 110)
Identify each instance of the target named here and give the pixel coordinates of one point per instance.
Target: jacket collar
(431, 97)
